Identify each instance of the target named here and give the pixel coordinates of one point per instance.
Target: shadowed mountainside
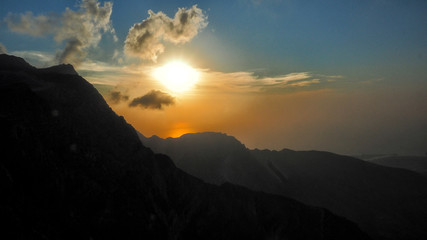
(216, 158)
(73, 169)
(387, 203)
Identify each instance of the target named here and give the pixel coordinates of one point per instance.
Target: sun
(177, 76)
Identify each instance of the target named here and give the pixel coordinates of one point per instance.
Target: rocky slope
(72, 169)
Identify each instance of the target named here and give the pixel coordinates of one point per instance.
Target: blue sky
(368, 58)
(378, 37)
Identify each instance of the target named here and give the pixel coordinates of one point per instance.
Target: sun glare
(177, 76)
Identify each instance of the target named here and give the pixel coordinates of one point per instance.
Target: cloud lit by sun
(176, 76)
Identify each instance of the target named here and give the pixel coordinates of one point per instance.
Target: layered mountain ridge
(387, 203)
(414, 163)
(73, 169)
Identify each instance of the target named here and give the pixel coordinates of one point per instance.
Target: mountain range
(71, 168)
(387, 203)
(414, 163)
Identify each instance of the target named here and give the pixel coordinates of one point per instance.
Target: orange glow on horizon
(180, 129)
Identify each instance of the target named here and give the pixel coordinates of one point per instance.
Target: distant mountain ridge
(387, 203)
(227, 156)
(414, 163)
(73, 169)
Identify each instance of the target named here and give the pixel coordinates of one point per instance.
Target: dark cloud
(116, 97)
(145, 38)
(155, 99)
(2, 49)
(80, 29)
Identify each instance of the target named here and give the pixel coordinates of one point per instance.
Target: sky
(342, 76)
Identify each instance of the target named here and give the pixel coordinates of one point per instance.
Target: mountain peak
(61, 69)
(211, 136)
(10, 62)
(14, 63)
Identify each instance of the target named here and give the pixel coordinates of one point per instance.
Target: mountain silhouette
(60, 69)
(73, 169)
(413, 163)
(216, 158)
(387, 203)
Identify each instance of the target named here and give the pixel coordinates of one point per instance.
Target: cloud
(73, 52)
(79, 30)
(155, 99)
(145, 39)
(305, 83)
(250, 82)
(36, 58)
(116, 97)
(117, 56)
(284, 79)
(32, 25)
(2, 49)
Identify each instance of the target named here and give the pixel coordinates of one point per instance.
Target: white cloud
(80, 29)
(2, 49)
(145, 39)
(284, 79)
(249, 82)
(305, 83)
(27, 23)
(36, 58)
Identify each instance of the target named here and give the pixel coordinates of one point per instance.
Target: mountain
(385, 202)
(73, 169)
(413, 163)
(60, 69)
(216, 158)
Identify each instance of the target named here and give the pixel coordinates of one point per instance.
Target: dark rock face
(386, 203)
(72, 169)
